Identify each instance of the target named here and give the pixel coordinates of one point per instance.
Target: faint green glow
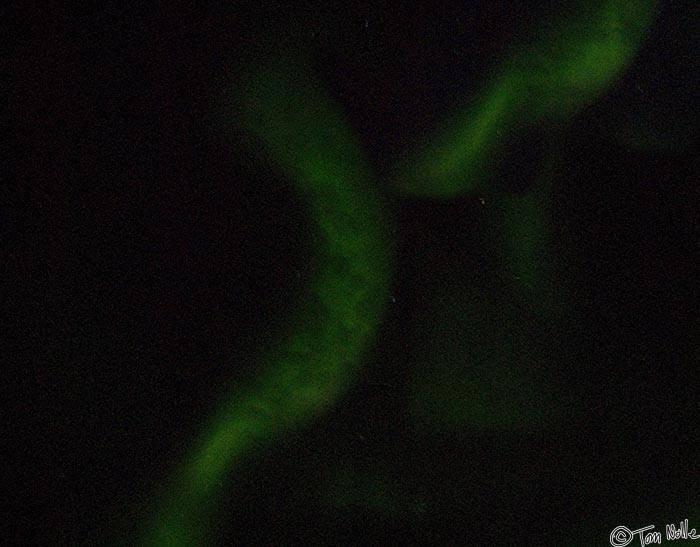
(478, 362)
(352, 488)
(305, 373)
(444, 167)
(524, 224)
(563, 70)
(520, 229)
(573, 64)
(487, 392)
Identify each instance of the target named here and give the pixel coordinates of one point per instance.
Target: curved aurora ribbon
(306, 372)
(569, 66)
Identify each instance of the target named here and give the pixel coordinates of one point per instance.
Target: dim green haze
(564, 69)
(294, 126)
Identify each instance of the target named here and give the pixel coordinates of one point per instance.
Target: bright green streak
(305, 373)
(564, 69)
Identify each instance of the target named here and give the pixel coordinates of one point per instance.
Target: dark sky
(145, 260)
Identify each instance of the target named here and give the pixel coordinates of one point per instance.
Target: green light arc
(303, 133)
(548, 81)
(308, 370)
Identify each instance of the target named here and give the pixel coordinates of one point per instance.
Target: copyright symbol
(621, 536)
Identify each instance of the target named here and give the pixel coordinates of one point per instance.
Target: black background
(145, 261)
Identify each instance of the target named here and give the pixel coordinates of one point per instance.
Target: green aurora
(305, 373)
(306, 137)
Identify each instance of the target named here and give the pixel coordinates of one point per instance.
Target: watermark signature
(623, 536)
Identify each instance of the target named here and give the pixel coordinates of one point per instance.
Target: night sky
(148, 257)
